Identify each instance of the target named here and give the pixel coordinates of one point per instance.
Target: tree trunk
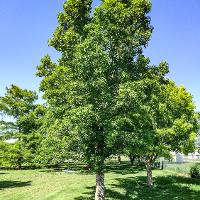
(132, 158)
(132, 161)
(88, 167)
(119, 159)
(100, 188)
(19, 163)
(149, 174)
(161, 163)
(19, 167)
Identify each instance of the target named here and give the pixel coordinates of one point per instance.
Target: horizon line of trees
(102, 97)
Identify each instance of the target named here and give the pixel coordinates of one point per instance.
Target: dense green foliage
(195, 171)
(98, 54)
(21, 118)
(157, 118)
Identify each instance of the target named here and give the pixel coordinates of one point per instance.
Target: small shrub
(195, 171)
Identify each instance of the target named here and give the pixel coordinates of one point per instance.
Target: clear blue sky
(25, 27)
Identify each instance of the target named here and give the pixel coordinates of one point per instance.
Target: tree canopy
(21, 117)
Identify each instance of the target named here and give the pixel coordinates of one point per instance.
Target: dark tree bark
(19, 162)
(119, 159)
(132, 158)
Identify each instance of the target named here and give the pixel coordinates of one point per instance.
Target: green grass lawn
(122, 182)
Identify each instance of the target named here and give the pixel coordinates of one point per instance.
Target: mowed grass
(122, 182)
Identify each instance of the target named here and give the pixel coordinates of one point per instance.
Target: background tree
(21, 118)
(98, 53)
(158, 117)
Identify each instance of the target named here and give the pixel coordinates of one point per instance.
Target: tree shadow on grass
(13, 184)
(87, 195)
(1, 173)
(169, 188)
(124, 169)
(135, 188)
(76, 167)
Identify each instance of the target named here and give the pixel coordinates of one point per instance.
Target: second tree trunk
(149, 174)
